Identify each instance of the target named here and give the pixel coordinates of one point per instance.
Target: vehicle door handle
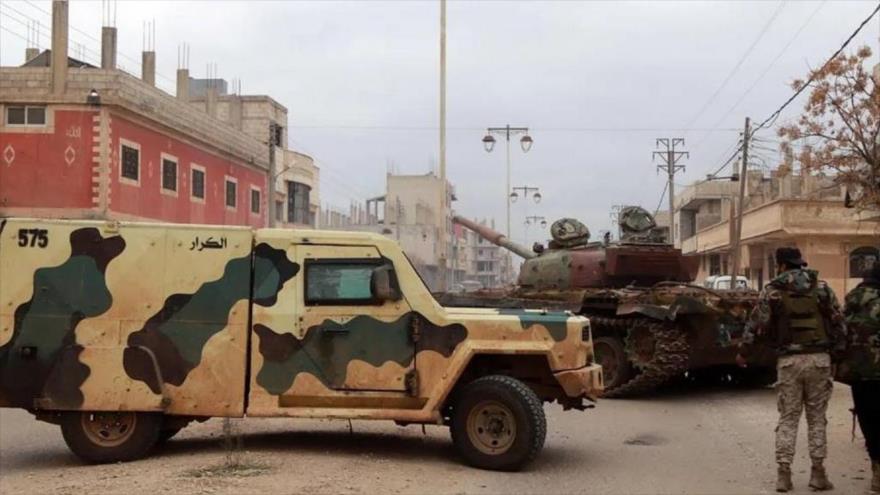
(334, 329)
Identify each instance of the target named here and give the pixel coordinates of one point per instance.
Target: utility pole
(270, 189)
(670, 157)
(444, 216)
(740, 204)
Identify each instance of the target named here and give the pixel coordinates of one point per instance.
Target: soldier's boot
(783, 478)
(819, 478)
(875, 480)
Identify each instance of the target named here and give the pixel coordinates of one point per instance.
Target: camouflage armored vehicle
(124, 333)
(650, 324)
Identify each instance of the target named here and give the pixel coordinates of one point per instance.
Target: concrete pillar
(31, 53)
(108, 47)
(148, 68)
(211, 101)
(183, 84)
(59, 45)
(235, 111)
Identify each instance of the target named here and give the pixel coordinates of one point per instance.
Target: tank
(650, 323)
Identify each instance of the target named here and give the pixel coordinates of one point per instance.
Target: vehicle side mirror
(383, 284)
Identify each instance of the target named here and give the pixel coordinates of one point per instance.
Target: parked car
(722, 282)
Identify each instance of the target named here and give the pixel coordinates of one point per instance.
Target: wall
(147, 200)
(47, 167)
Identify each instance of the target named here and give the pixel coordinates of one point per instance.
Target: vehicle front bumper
(582, 382)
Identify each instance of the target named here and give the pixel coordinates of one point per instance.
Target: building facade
(410, 211)
(79, 141)
(800, 211)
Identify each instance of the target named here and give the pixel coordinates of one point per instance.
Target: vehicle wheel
(498, 423)
(101, 437)
(166, 434)
(611, 355)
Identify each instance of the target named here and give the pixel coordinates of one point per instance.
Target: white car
(722, 282)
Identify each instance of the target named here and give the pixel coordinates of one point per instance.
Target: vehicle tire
(611, 355)
(498, 423)
(102, 437)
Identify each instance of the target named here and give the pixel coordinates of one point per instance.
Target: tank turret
(495, 237)
(572, 262)
(637, 225)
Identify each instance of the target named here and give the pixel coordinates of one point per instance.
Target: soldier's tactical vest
(801, 323)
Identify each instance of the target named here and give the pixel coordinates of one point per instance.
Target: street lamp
(488, 143)
(93, 98)
(540, 220)
(525, 143)
(536, 196)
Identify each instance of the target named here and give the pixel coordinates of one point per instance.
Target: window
(198, 182)
(340, 282)
(277, 134)
(231, 192)
(25, 115)
(255, 201)
(169, 174)
(130, 161)
(298, 203)
(862, 259)
(714, 264)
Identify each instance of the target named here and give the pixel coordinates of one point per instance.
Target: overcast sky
(596, 82)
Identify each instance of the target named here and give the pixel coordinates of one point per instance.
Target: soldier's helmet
(569, 232)
(635, 219)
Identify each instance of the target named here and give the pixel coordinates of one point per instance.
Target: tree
(838, 132)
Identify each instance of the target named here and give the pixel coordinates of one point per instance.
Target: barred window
(255, 201)
(169, 175)
(131, 162)
(862, 259)
(298, 199)
(198, 183)
(231, 192)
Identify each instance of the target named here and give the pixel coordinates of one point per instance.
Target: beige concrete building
(411, 212)
(477, 260)
(297, 179)
(801, 211)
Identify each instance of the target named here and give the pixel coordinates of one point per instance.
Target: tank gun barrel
(495, 237)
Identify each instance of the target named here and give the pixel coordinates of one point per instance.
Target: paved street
(685, 441)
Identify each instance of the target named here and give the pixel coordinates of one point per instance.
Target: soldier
(798, 314)
(860, 366)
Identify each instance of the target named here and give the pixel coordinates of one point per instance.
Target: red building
(78, 141)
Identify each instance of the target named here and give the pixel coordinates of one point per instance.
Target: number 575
(33, 238)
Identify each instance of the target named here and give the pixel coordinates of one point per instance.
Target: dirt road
(686, 441)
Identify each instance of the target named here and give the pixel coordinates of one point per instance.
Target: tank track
(669, 361)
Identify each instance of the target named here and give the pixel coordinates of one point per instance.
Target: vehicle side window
(339, 282)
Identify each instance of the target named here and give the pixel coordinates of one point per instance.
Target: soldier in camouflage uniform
(860, 366)
(799, 315)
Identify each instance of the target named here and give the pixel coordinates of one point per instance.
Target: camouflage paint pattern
(43, 345)
(803, 386)
(861, 359)
(135, 316)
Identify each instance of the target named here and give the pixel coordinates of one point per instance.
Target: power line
(803, 87)
(738, 64)
(775, 115)
(662, 195)
(475, 128)
(773, 63)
